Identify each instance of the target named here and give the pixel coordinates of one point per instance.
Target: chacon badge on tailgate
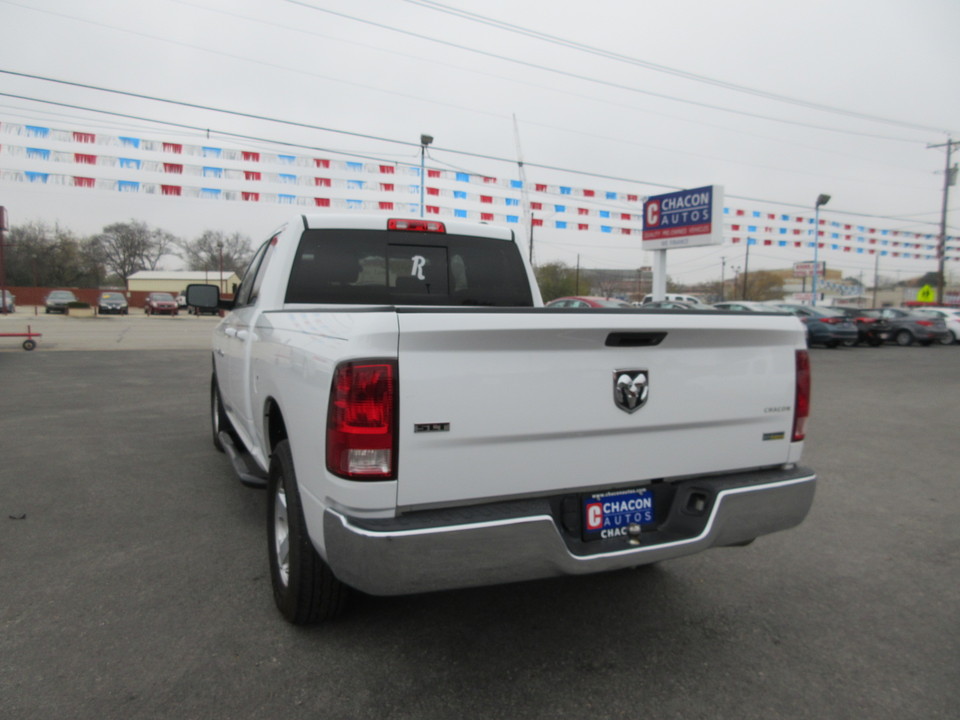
(630, 389)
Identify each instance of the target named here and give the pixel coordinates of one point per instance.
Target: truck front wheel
(304, 587)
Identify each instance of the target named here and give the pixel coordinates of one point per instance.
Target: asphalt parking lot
(135, 584)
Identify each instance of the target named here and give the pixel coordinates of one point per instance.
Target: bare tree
(132, 246)
(204, 253)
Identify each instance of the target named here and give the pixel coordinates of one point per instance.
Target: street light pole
(822, 199)
(220, 252)
(723, 268)
(3, 281)
(424, 141)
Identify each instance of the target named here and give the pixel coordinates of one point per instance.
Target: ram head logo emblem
(630, 389)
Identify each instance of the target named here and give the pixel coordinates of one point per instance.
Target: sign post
(686, 218)
(3, 282)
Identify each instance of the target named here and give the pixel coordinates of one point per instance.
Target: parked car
(587, 301)
(690, 299)
(868, 328)
(112, 303)
(182, 300)
(951, 317)
(747, 306)
(824, 325)
(58, 300)
(9, 301)
(160, 303)
(675, 305)
(906, 327)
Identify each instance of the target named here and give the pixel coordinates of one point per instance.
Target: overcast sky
(700, 92)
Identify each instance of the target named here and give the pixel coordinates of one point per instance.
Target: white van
(673, 297)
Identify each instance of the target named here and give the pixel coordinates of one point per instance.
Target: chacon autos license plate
(608, 515)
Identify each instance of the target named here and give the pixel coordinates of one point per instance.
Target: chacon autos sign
(687, 218)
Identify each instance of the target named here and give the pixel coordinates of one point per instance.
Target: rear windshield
(407, 268)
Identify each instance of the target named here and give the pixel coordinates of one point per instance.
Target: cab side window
(253, 277)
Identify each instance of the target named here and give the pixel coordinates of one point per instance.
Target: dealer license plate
(608, 515)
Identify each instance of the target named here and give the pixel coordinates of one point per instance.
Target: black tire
(218, 417)
(904, 338)
(948, 339)
(875, 342)
(29, 344)
(850, 343)
(832, 343)
(304, 587)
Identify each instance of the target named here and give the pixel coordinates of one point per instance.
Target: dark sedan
(112, 303)
(868, 328)
(58, 300)
(825, 326)
(905, 327)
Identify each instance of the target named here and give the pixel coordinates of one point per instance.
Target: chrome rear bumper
(472, 546)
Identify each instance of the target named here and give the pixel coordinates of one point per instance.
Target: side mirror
(205, 297)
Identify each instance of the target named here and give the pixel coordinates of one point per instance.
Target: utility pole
(531, 239)
(746, 270)
(949, 179)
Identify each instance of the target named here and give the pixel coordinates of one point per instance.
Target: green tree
(556, 279)
(762, 285)
(38, 255)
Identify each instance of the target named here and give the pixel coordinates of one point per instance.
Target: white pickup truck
(421, 422)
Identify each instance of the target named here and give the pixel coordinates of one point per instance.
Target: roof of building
(181, 275)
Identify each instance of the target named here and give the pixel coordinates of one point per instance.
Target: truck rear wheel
(304, 587)
(219, 421)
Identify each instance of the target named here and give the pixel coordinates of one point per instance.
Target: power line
(587, 78)
(572, 44)
(433, 100)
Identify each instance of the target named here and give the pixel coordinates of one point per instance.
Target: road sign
(927, 294)
(688, 218)
(805, 269)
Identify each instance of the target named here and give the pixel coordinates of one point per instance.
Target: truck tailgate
(502, 404)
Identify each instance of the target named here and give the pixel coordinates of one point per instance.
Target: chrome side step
(247, 470)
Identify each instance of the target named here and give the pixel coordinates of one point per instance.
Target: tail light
(801, 407)
(416, 225)
(362, 420)
(925, 323)
(832, 320)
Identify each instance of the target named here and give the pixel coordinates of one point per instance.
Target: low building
(176, 281)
